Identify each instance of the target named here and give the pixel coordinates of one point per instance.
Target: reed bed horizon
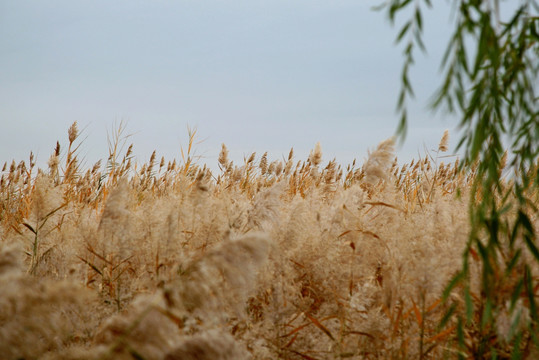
(265, 259)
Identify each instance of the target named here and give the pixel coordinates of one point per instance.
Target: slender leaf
(30, 227)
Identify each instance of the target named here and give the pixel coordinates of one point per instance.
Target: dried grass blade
(344, 233)
(44, 220)
(360, 333)
(417, 313)
(92, 251)
(320, 326)
(474, 254)
(434, 305)
(291, 341)
(296, 330)
(297, 263)
(29, 227)
(381, 203)
(120, 274)
(443, 334)
(397, 321)
(174, 318)
(47, 251)
(367, 232)
(122, 262)
(303, 355)
(95, 268)
(294, 317)
(16, 230)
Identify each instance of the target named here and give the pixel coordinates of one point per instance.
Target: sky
(255, 75)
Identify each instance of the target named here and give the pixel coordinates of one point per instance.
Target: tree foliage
(490, 75)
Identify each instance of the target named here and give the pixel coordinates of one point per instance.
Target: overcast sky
(255, 75)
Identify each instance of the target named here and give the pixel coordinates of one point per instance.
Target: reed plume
(378, 162)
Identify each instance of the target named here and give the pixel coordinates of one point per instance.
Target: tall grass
(265, 259)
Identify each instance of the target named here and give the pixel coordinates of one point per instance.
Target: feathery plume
(263, 163)
(73, 132)
(315, 157)
(377, 165)
(443, 146)
(223, 157)
(264, 207)
(235, 261)
(251, 158)
(115, 208)
(145, 329)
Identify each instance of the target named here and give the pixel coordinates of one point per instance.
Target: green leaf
(481, 51)
(514, 260)
(485, 257)
(514, 20)
(486, 317)
(530, 293)
(419, 19)
(525, 221)
(516, 353)
(517, 290)
(419, 41)
(403, 32)
(460, 334)
(447, 316)
(531, 245)
(469, 305)
(397, 5)
(533, 30)
(455, 280)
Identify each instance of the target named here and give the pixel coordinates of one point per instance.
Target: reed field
(265, 259)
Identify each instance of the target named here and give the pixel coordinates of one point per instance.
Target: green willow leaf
(490, 77)
(403, 32)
